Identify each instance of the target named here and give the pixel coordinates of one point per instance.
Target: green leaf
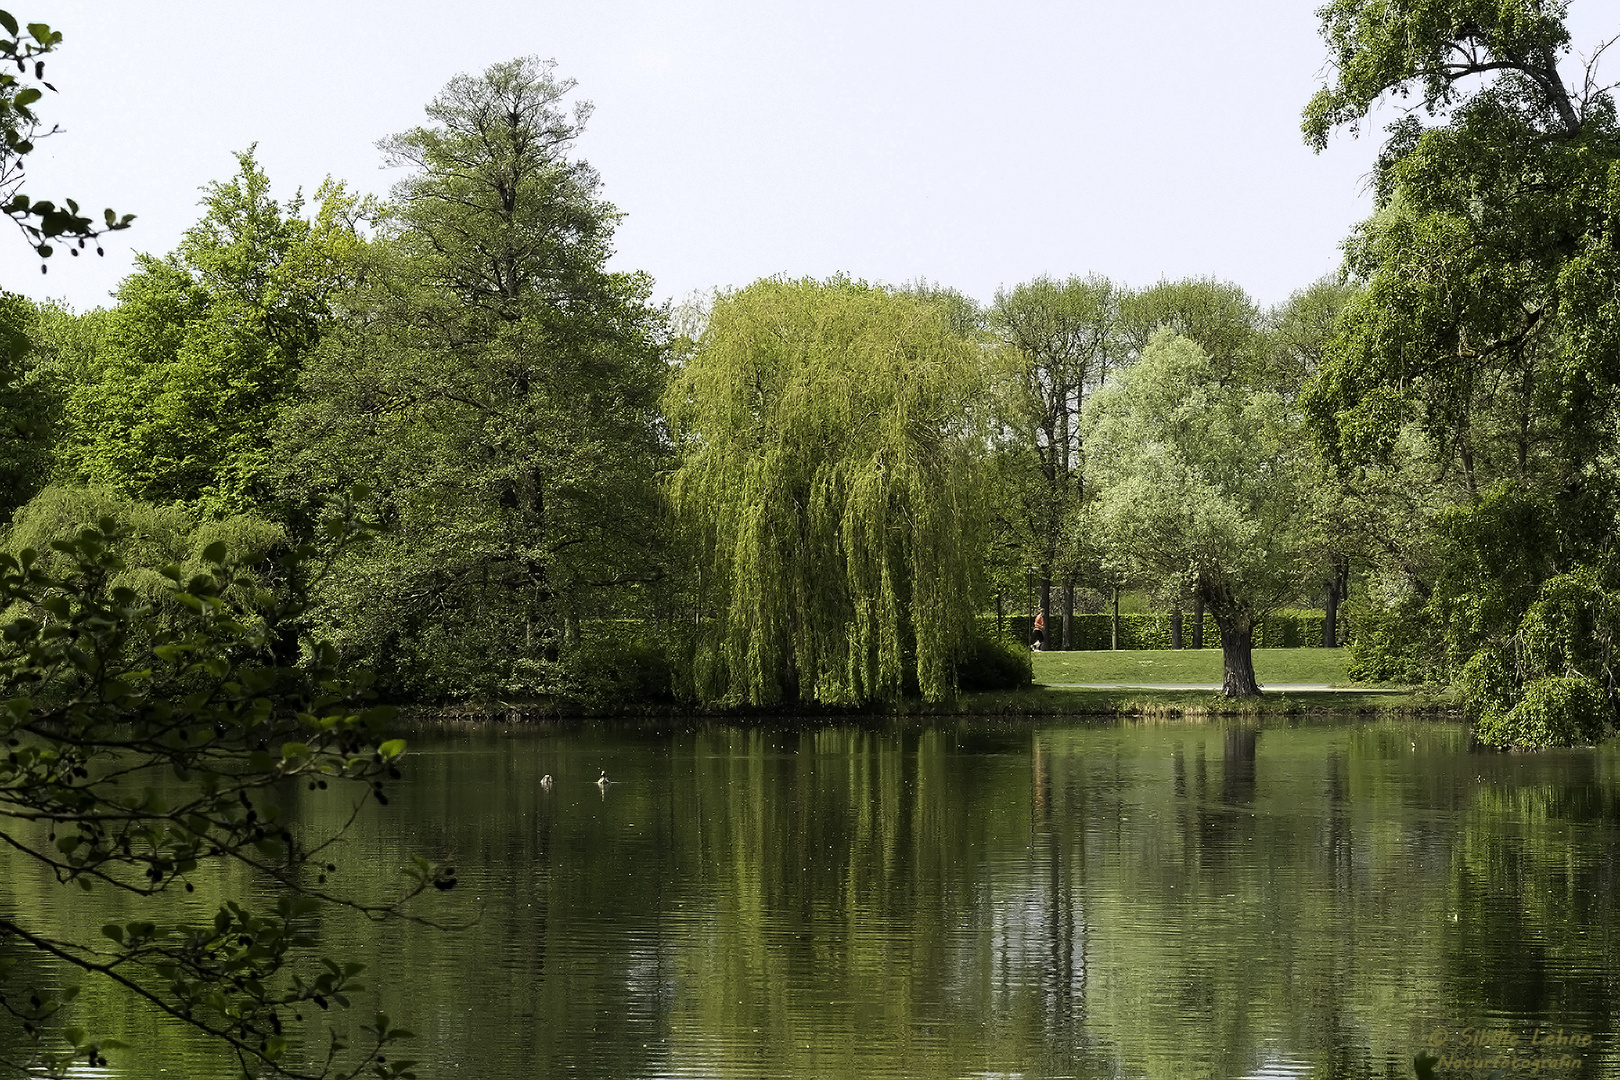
(391, 749)
(215, 552)
(9, 22)
(114, 931)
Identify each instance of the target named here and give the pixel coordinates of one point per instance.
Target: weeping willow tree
(831, 486)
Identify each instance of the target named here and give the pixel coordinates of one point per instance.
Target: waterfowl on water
(545, 781)
(602, 781)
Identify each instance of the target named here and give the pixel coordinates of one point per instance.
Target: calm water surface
(988, 899)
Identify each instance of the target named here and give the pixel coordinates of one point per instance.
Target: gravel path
(1274, 688)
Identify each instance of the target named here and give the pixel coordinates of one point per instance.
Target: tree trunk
(1237, 656)
(1175, 626)
(1330, 612)
(1001, 615)
(1113, 637)
(1341, 632)
(1029, 594)
(1198, 623)
(1046, 611)
(1068, 613)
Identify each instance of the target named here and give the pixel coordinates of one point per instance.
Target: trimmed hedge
(1285, 629)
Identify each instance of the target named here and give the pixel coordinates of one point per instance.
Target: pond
(984, 899)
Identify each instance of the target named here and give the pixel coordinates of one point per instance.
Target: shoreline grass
(1100, 706)
(1142, 702)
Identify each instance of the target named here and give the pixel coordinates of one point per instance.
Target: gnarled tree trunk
(1237, 657)
(1236, 623)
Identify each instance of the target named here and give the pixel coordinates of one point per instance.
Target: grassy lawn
(1188, 666)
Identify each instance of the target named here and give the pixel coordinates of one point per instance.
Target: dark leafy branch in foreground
(146, 742)
(21, 128)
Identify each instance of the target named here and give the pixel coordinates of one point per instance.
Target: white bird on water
(545, 781)
(602, 781)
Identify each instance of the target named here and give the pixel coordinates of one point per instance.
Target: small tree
(1200, 475)
(831, 489)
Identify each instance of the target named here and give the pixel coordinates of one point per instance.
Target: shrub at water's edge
(992, 664)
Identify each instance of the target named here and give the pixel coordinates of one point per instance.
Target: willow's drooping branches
(832, 488)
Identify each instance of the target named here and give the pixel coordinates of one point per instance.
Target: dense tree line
(815, 491)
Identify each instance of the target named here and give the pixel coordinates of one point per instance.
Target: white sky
(974, 144)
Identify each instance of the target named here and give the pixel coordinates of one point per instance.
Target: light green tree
(831, 489)
(1228, 325)
(186, 374)
(1202, 476)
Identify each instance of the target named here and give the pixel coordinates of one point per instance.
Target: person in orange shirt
(1040, 631)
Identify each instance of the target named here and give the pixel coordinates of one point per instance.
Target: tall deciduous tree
(1489, 322)
(1219, 316)
(831, 486)
(1299, 332)
(497, 389)
(1201, 475)
(1059, 341)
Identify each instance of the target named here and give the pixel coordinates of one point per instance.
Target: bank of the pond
(1034, 701)
(1095, 684)
(1042, 700)
(1143, 682)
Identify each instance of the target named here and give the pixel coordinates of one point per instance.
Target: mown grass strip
(1188, 666)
